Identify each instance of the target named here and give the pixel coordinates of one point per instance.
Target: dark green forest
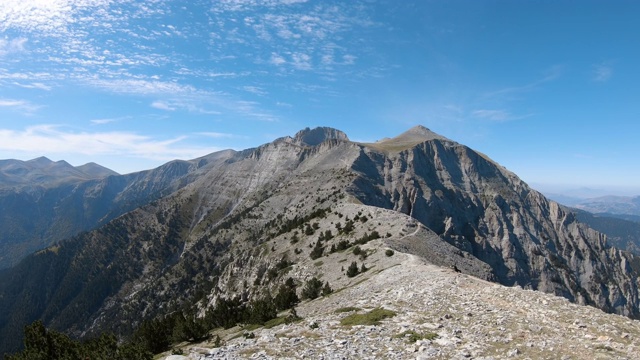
(158, 335)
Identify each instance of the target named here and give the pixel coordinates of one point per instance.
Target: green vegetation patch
(372, 317)
(413, 336)
(251, 327)
(347, 309)
(275, 322)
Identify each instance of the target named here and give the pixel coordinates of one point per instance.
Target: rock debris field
(439, 314)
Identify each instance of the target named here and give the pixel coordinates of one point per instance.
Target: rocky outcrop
(313, 137)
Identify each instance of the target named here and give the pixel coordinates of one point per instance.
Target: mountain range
(238, 224)
(623, 207)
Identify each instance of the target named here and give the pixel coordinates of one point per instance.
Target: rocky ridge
(440, 314)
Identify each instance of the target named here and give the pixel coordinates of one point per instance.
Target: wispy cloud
(549, 75)
(23, 106)
(277, 59)
(497, 115)
(72, 43)
(35, 85)
(218, 135)
(8, 46)
(161, 105)
(52, 139)
(602, 72)
(308, 38)
(104, 121)
(255, 90)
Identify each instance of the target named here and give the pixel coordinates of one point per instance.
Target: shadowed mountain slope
(55, 201)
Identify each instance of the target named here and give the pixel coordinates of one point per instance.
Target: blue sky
(549, 89)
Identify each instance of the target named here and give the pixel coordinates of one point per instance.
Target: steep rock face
(488, 212)
(622, 234)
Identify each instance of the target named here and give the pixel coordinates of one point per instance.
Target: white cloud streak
(23, 106)
(52, 139)
(602, 72)
(36, 85)
(161, 105)
(218, 135)
(499, 115)
(552, 74)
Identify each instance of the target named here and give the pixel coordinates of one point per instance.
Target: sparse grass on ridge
(412, 336)
(372, 317)
(347, 309)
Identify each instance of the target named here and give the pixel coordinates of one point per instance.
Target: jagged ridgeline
(237, 226)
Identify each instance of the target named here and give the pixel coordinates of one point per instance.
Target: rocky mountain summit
(239, 225)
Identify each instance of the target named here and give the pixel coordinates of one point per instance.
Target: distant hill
(43, 202)
(42, 172)
(619, 205)
(622, 207)
(623, 234)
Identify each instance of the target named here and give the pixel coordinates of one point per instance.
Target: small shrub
(312, 289)
(326, 289)
(217, 341)
(286, 297)
(389, 252)
(292, 317)
(317, 251)
(352, 270)
(413, 336)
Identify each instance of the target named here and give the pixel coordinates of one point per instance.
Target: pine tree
(352, 270)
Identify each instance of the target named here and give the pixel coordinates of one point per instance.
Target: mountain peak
(40, 161)
(95, 170)
(420, 132)
(416, 135)
(313, 137)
